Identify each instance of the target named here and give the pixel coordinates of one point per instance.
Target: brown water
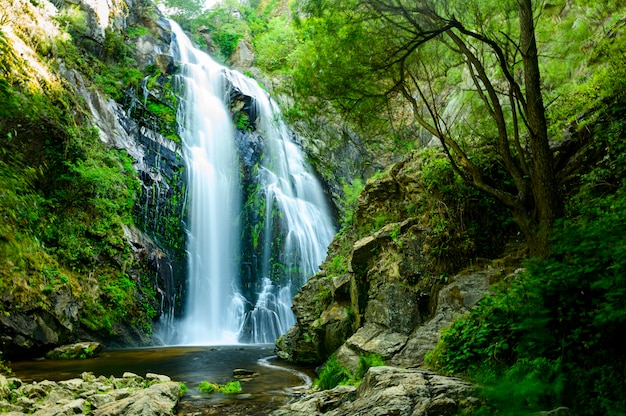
(276, 383)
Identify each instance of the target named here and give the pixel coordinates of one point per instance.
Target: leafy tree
(186, 9)
(407, 58)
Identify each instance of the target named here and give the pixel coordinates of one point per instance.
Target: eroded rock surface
(130, 395)
(388, 391)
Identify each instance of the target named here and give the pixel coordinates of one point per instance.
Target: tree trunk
(548, 205)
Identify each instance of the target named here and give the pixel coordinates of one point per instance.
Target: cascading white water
(214, 200)
(291, 187)
(216, 311)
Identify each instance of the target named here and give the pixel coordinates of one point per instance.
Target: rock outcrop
(32, 323)
(384, 292)
(388, 391)
(130, 395)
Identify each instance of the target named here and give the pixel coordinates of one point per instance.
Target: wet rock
(31, 329)
(305, 341)
(165, 63)
(243, 373)
(157, 377)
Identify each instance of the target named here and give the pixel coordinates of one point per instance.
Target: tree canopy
(466, 73)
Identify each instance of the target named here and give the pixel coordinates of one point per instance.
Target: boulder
(79, 350)
(156, 400)
(91, 395)
(387, 391)
(377, 339)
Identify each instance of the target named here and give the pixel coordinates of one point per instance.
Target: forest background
(386, 71)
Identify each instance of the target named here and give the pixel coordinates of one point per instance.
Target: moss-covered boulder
(80, 350)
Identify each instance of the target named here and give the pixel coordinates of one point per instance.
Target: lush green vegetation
(266, 24)
(66, 197)
(551, 336)
(333, 374)
(231, 387)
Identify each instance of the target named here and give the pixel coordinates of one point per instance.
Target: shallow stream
(274, 384)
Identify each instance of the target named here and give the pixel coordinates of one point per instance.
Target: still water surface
(276, 383)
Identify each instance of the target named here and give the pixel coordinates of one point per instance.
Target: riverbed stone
(59, 396)
(5, 388)
(157, 377)
(74, 407)
(77, 396)
(156, 400)
(74, 384)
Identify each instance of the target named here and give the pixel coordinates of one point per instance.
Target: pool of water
(274, 384)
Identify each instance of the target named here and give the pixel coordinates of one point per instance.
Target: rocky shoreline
(130, 395)
(389, 391)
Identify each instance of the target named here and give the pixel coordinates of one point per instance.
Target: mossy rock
(80, 350)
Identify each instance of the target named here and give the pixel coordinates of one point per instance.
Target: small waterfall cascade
(253, 239)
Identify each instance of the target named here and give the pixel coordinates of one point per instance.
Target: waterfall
(291, 221)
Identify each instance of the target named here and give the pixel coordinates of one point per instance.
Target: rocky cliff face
(383, 289)
(29, 323)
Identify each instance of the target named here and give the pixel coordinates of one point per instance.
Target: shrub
(557, 327)
(332, 374)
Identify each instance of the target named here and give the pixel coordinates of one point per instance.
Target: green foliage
(227, 41)
(338, 265)
(242, 121)
(206, 387)
(334, 374)
(465, 223)
(65, 196)
(231, 387)
(72, 19)
(367, 361)
(351, 194)
(274, 47)
(557, 327)
(134, 32)
(4, 367)
(183, 9)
